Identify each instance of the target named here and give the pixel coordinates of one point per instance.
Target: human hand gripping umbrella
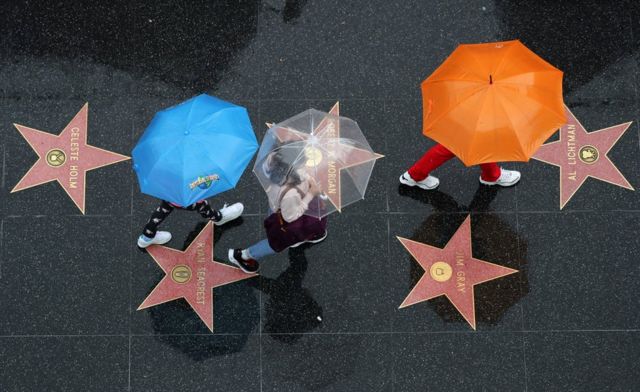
(324, 147)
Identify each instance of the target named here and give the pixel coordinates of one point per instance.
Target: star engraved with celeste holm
(65, 158)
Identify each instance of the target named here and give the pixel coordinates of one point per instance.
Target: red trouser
(437, 155)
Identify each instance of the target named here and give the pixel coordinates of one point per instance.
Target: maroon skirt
(282, 234)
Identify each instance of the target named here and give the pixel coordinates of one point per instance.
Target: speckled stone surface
(322, 317)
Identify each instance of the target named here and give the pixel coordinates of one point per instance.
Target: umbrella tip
(490, 79)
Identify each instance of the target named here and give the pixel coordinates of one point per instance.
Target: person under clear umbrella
(296, 194)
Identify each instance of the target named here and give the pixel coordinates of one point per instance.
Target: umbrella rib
(188, 122)
(212, 117)
(298, 144)
(223, 176)
(295, 160)
(453, 80)
(228, 135)
(458, 104)
(472, 56)
(522, 149)
(346, 166)
(541, 103)
(352, 147)
(475, 134)
(160, 159)
(504, 56)
(204, 141)
(535, 71)
(293, 131)
(294, 143)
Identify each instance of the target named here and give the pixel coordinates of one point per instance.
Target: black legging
(161, 213)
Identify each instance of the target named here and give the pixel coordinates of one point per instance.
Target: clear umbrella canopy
(321, 147)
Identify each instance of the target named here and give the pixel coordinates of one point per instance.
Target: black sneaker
(247, 265)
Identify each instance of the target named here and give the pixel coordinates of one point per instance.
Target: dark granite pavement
(326, 317)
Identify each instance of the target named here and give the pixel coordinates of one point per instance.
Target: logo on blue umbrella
(194, 150)
(204, 182)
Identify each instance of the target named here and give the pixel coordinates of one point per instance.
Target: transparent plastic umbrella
(329, 148)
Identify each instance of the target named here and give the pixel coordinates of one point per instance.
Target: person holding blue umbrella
(190, 152)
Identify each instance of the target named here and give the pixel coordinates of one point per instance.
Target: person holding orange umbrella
(488, 103)
(418, 175)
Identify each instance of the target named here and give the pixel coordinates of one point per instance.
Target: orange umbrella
(493, 102)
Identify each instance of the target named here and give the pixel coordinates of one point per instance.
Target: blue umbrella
(194, 150)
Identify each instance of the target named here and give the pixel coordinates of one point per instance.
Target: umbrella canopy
(324, 146)
(194, 150)
(493, 102)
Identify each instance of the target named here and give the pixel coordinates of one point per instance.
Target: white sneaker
(162, 237)
(507, 178)
(428, 183)
(229, 213)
